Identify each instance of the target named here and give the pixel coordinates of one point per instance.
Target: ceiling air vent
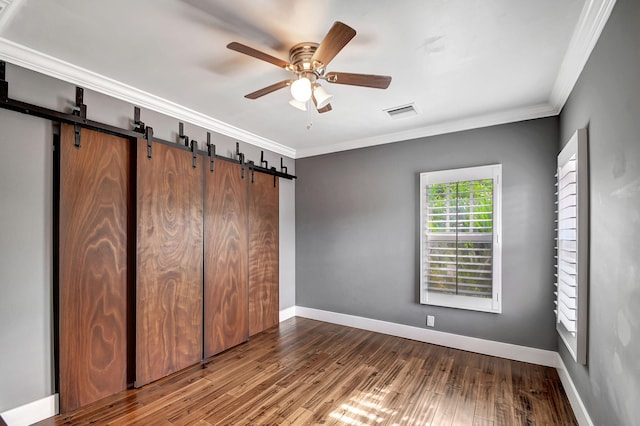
(401, 111)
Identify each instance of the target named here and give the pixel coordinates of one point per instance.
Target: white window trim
(494, 304)
(576, 342)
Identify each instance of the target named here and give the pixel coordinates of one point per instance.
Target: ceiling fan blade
(364, 80)
(325, 109)
(338, 36)
(266, 90)
(239, 47)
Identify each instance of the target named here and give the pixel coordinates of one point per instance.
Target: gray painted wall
(287, 241)
(606, 99)
(26, 358)
(357, 230)
(26, 160)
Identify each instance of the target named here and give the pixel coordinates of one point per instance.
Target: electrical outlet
(431, 321)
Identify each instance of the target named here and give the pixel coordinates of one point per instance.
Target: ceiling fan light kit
(308, 61)
(302, 106)
(301, 89)
(320, 96)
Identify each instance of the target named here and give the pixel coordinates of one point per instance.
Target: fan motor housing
(300, 57)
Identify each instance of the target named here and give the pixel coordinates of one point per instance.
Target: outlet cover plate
(431, 321)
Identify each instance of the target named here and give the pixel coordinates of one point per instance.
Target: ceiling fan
(308, 61)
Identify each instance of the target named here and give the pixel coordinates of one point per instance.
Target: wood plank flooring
(310, 372)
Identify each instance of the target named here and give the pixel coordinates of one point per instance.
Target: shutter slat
(568, 312)
(569, 302)
(566, 322)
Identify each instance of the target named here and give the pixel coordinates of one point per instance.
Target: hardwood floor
(309, 372)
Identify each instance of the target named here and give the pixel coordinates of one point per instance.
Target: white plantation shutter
(571, 245)
(460, 238)
(567, 239)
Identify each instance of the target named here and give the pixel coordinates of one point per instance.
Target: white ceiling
(463, 63)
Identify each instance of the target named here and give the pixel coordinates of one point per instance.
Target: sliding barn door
(226, 253)
(263, 253)
(93, 266)
(169, 261)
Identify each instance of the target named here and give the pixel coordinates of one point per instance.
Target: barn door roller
(4, 85)
(80, 110)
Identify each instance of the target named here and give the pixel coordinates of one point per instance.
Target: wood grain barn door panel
(169, 261)
(226, 253)
(93, 275)
(263, 254)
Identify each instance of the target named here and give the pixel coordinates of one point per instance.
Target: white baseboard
(472, 344)
(32, 412)
(287, 313)
(580, 411)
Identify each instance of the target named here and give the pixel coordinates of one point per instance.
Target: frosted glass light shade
(302, 106)
(301, 89)
(322, 98)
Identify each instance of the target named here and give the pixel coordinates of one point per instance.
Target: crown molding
(591, 22)
(25, 57)
(475, 122)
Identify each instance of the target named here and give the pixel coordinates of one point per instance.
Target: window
(460, 248)
(572, 246)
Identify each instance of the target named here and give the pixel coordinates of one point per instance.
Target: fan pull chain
(310, 124)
